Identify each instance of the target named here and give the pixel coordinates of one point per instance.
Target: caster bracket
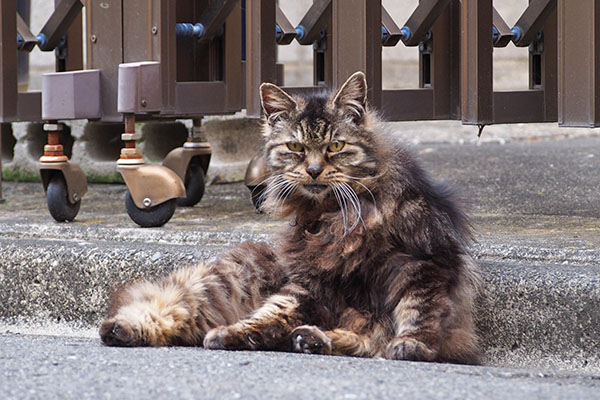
(74, 178)
(151, 185)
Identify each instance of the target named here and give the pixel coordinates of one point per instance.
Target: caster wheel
(256, 193)
(194, 186)
(150, 217)
(58, 202)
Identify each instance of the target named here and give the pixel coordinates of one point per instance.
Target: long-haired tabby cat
(374, 263)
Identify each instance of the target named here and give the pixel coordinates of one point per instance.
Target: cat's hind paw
(411, 349)
(310, 340)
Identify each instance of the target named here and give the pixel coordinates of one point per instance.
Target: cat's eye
(334, 147)
(295, 146)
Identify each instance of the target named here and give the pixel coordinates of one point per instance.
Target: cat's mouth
(315, 188)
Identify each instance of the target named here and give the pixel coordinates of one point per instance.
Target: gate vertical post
(476, 62)
(548, 69)
(445, 63)
(261, 51)
(356, 43)
(104, 44)
(578, 63)
(8, 60)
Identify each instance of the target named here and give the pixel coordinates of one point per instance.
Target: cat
(374, 264)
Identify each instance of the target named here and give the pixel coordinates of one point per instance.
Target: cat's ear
(352, 97)
(275, 102)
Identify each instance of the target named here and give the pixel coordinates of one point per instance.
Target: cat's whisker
(355, 201)
(334, 189)
(364, 178)
(266, 182)
(282, 195)
(356, 180)
(369, 191)
(287, 191)
(272, 188)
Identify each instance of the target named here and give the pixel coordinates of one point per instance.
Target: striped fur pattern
(374, 264)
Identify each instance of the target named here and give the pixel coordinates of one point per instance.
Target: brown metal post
(8, 60)
(74, 60)
(356, 43)
(578, 64)
(233, 59)
(445, 63)
(105, 50)
(476, 62)
(2, 128)
(261, 52)
(548, 69)
(74, 53)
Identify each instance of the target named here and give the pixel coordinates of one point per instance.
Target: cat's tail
(180, 308)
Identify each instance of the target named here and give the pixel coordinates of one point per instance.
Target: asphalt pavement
(43, 367)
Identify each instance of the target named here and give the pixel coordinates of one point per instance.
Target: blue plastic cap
(41, 38)
(198, 30)
(300, 32)
(19, 41)
(278, 32)
(188, 30)
(406, 32)
(384, 32)
(495, 33)
(517, 33)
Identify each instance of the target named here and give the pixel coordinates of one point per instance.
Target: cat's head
(319, 147)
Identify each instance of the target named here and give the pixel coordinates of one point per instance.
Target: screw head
(154, 30)
(144, 103)
(75, 197)
(93, 38)
(147, 202)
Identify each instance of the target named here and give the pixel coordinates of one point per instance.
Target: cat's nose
(314, 170)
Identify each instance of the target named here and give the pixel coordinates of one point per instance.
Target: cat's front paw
(230, 338)
(411, 349)
(310, 340)
(119, 333)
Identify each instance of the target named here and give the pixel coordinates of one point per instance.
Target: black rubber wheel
(256, 193)
(194, 186)
(57, 199)
(150, 217)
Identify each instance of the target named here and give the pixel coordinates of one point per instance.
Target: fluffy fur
(375, 263)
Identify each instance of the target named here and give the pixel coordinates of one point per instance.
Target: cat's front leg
(268, 328)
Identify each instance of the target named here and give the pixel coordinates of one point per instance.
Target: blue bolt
(517, 33)
(278, 32)
(300, 32)
(189, 30)
(198, 30)
(406, 32)
(495, 33)
(20, 41)
(41, 38)
(384, 32)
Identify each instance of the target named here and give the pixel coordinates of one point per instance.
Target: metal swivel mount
(190, 163)
(152, 189)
